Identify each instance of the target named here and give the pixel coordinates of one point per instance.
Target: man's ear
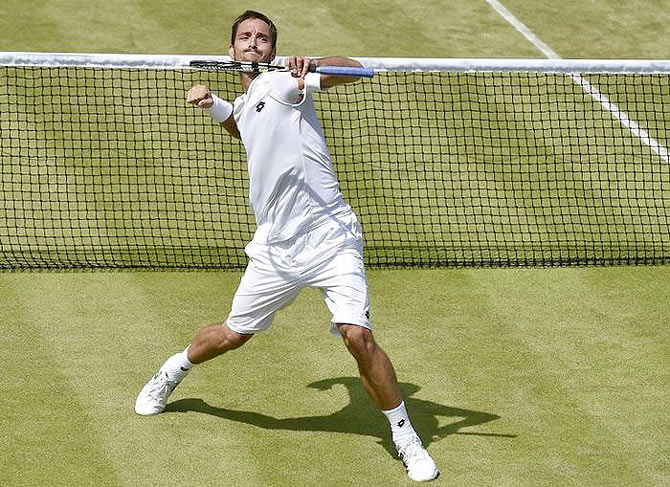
(272, 56)
(231, 52)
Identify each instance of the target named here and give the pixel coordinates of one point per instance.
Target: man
(306, 234)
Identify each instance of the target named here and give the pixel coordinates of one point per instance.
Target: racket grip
(346, 71)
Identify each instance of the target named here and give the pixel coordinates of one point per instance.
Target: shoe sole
(148, 413)
(428, 479)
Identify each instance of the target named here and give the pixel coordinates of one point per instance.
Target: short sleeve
(285, 88)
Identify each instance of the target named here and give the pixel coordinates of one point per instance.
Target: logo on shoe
(401, 423)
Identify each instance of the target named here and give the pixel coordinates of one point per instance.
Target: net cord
(159, 61)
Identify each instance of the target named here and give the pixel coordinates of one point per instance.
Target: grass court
(513, 377)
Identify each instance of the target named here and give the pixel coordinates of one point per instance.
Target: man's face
(253, 42)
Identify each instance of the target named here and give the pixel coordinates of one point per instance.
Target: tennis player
(307, 235)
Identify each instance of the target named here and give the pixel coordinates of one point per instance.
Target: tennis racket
(250, 67)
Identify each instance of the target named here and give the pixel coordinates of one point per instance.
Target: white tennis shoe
(420, 466)
(154, 395)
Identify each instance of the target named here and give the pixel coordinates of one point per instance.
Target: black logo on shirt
(260, 106)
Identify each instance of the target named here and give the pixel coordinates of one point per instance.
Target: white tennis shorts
(329, 257)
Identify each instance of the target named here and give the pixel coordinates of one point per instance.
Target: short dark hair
(252, 14)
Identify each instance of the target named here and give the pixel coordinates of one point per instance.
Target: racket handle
(346, 71)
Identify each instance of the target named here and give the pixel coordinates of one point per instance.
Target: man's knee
(229, 339)
(358, 339)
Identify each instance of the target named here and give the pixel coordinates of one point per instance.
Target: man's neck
(246, 79)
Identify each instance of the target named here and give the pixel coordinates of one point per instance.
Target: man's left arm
(300, 67)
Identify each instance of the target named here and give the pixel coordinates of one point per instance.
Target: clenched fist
(200, 96)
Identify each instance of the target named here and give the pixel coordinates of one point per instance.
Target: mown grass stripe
(51, 436)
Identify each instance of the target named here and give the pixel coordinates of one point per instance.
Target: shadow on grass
(359, 417)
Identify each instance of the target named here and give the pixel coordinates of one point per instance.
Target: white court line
(525, 31)
(605, 102)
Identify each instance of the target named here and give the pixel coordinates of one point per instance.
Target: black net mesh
(109, 168)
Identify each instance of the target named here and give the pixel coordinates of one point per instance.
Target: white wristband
(220, 109)
(312, 83)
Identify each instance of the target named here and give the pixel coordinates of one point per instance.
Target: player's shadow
(359, 417)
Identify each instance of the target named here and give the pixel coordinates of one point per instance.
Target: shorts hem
(336, 332)
(241, 330)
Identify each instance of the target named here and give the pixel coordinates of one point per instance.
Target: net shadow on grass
(359, 417)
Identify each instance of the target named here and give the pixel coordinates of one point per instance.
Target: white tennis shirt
(292, 185)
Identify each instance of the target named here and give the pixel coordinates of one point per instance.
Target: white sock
(401, 426)
(178, 365)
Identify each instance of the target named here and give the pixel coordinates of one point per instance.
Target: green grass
(598, 28)
(515, 377)
(140, 26)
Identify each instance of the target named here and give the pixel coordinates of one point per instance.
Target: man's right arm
(300, 66)
(221, 111)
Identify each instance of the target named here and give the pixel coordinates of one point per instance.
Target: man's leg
(379, 379)
(210, 342)
(374, 366)
(213, 341)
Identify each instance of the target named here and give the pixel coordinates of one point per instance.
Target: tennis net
(446, 163)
